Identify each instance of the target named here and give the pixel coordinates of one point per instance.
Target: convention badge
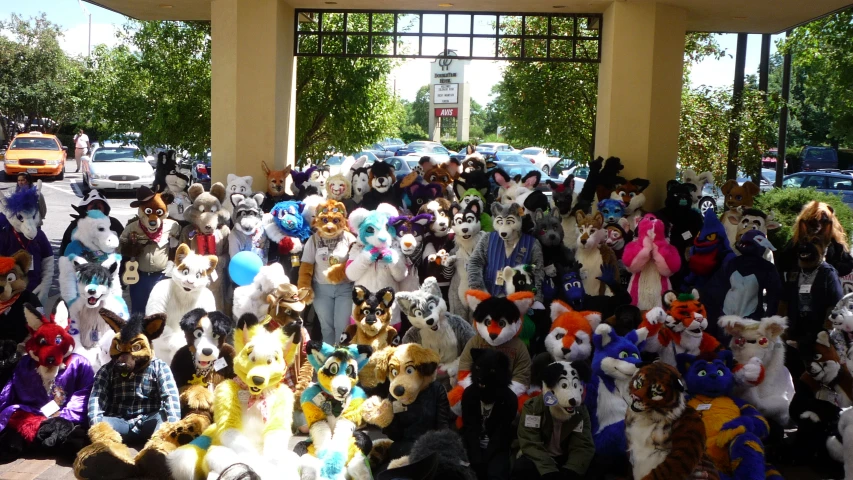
(333, 260)
(703, 407)
(214, 276)
(191, 234)
(294, 261)
(318, 400)
(181, 208)
(32, 265)
(243, 396)
(532, 421)
(131, 272)
(323, 254)
(551, 271)
(398, 407)
(579, 428)
(49, 408)
(805, 288)
(499, 279)
(219, 364)
(327, 407)
(687, 235)
(550, 399)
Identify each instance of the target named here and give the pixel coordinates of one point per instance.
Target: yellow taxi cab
(36, 153)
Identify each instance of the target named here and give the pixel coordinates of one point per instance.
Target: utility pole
(737, 98)
(89, 54)
(783, 116)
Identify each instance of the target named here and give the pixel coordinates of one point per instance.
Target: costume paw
(197, 399)
(376, 411)
(727, 435)
(656, 316)
(751, 371)
(285, 245)
(54, 431)
(105, 460)
(183, 431)
(336, 273)
(379, 452)
(811, 416)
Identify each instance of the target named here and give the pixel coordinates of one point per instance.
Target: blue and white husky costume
(332, 408)
(93, 241)
(615, 361)
(95, 286)
(375, 262)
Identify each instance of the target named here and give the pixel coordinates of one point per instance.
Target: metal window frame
(316, 16)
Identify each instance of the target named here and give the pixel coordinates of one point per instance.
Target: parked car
(392, 144)
(495, 148)
(36, 153)
(202, 170)
(402, 165)
(816, 158)
(121, 167)
(712, 198)
(765, 183)
(434, 150)
(380, 151)
(838, 183)
(544, 159)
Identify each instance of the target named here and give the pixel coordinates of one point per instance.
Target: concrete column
(639, 91)
(253, 77)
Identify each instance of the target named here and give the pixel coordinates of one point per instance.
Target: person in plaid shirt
(134, 393)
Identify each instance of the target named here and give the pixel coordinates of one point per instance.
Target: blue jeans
(141, 432)
(141, 290)
(333, 304)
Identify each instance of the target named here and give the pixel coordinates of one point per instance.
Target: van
(818, 158)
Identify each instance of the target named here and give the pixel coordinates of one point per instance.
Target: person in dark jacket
(554, 430)
(489, 407)
(92, 200)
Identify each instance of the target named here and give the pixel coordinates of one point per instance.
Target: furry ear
(33, 316)
(669, 297)
(431, 287)
(259, 198)
(580, 216)
(501, 177)
(190, 320)
(22, 259)
(751, 188)
(405, 300)
(583, 371)
(356, 217)
(195, 190)
(558, 307)
(641, 184)
(386, 296)
(425, 359)
(538, 215)
(775, 325)
(214, 260)
(182, 252)
(728, 186)
(61, 316)
(683, 361)
(265, 168)
(695, 294)
(114, 321)
(474, 207)
(359, 294)
(475, 297)
(218, 191)
(732, 324)
(475, 354)
(598, 218)
(362, 354)
(236, 198)
(522, 300)
(375, 372)
(497, 209)
(602, 335)
(552, 373)
(459, 187)
(167, 197)
(531, 180)
(506, 274)
(153, 325)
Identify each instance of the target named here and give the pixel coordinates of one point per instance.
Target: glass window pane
(509, 47)
(407, 45)
(383, 22)
(333, 22)
(433, 23)
(308, 44)
(485, 24)
(587, 49)
(563, 26)
(462, 46)
(358, 45)
(408, 23)
(484, 47)
(535, 48)
(358, 22)
(432, 46)
(536, 25)
(459, 24)
(333, 44)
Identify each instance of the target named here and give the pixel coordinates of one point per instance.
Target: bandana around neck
(206, 244)
(264, 405)
(7, 304)
(153, 236)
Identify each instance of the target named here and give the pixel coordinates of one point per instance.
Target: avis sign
(446, 112)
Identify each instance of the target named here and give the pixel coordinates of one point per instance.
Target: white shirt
(82, 141)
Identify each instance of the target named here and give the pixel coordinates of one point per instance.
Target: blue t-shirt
(39, 248)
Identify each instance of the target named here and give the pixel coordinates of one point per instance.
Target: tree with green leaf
(36, 76)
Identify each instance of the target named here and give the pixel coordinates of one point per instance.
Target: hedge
(786, 204)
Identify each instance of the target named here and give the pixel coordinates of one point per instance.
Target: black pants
(525, 469)
(498, 467)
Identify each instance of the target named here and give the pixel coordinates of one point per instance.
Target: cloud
(411, 75)
(75, 40)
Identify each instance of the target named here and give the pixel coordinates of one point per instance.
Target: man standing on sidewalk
(81, 146)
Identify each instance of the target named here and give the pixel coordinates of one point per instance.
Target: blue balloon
(243, 268)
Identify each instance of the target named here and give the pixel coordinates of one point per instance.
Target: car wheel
(707, 203)
(61, 175)
(86, 185)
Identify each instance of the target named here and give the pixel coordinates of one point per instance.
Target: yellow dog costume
(253, 411)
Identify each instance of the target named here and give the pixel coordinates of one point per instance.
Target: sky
(410, 75)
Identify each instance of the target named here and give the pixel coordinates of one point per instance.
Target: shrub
(412, 132)
(786, 204)
(456, 146)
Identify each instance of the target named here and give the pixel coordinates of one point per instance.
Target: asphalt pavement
(60, 196)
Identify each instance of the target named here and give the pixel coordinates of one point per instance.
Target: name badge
(219, 364)
(323, 254)
(532, 421)
(703, 407)
(398, 407)
(294, 261)
(49, 408)
(687, 235)
(499, 279)
(805, 288)
(579, 428)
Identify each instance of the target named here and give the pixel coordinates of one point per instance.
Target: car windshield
(770, 175)
(117, 155)
(412, 163)
(518, 169)
(335, 160)
(819, 154)
(581, 172)
(793, 181)
(34, 143)
(531, 151)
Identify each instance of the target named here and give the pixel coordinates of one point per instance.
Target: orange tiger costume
(666, 438)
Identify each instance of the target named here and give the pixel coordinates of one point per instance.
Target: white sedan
(116, 167)
(544, 159)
